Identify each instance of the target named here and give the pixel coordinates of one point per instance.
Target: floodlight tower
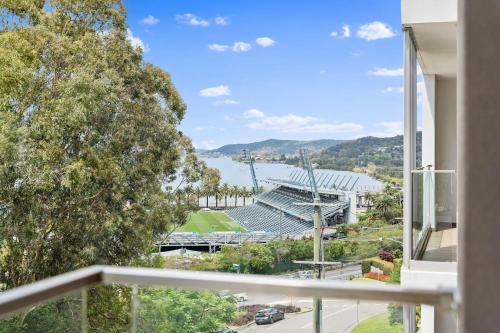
(247, 156)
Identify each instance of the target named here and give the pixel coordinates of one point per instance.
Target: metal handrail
(19, 298)
(432, 171)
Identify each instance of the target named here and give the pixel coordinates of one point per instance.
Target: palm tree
(206, 192)
(244, 193)
(198, 192)
(216, 194)
(236, 192)
(225, 190)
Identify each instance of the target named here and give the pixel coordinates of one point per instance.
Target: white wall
(427, 11)
(446, 124)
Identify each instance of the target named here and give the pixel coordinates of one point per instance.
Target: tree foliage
(172, 310)
(88, 137)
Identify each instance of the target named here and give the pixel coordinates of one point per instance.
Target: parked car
(241, 297)
(268, 316)
(225, 330)
(303, 275)
(238, 297)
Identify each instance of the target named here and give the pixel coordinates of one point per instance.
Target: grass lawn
(377, 324)
(205, 222)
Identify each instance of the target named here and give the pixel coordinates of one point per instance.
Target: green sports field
(205, 222)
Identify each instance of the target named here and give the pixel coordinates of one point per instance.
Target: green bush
(396, 272)
(366, 266)
(395, 314)
(334, 250)
(387, 270)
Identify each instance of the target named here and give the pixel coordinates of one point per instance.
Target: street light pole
(281, 223)
(317, 303)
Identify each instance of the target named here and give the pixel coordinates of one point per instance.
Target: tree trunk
(244, 199)
(216, 199)
(235, 200)
(207, 200)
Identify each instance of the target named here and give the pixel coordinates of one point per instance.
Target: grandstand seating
(259, 217)
(265, 214)
(285, 199)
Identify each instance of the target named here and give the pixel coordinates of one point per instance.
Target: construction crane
(247, 156)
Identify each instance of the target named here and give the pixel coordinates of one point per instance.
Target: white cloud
(199, 129)
(191, 19)
(377, 71)
(218, 47)
(253, 113)
(241, 47)
(237, 47)
(221, 20)
(323, 71)
(393, 90)
(345, 33)
(375, 30)
(292, 123)
(264, 41)
(226, 102)
(150, 20)
(221, 90)
(208, 144)
(390, 128)
(136, 42)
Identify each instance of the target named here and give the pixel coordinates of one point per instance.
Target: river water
(237, 173)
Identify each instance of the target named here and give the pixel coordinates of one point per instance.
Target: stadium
(287, 207)
(284, 210)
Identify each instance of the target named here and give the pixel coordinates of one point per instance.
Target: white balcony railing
(26, 297)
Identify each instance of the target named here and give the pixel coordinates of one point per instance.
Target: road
(338, 315)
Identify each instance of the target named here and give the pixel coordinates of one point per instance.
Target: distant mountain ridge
(276, 147)
(385, 153)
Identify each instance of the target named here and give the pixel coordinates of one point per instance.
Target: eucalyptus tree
(88, 138)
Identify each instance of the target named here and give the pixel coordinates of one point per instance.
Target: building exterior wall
(446, 124)
(426, 11)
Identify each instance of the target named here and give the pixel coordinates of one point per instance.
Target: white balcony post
(410, 108)
(428, 149)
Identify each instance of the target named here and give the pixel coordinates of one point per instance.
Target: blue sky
(254, 70)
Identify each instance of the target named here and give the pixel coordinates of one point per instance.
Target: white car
(238, 297)
(304, 275)
(241, 297)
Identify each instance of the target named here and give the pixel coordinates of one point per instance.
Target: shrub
(386, 255)
(246, 313)
(383, 265)
(366, 266)
(396, 272)
(395, 314)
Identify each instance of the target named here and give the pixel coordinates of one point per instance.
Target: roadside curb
(306, 310)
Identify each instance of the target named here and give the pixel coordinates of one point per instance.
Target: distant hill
(275, 147)
(386, 153)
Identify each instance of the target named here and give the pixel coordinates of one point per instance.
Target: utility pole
(317, 219)
(317, 302)
(281, 223)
